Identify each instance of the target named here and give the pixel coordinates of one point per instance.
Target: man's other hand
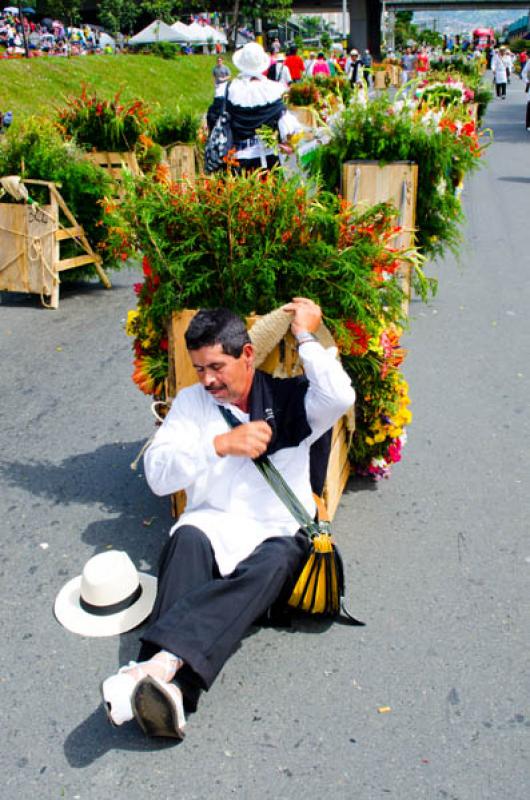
(249, 440)
(307, 316)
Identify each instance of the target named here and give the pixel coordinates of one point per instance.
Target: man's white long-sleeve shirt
(227, 498)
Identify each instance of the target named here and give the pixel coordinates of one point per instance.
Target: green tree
(312, 26)
(272, 10)
(68, 12)
(325, 40)
(159, 9)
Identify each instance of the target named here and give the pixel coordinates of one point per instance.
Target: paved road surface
(438, 559)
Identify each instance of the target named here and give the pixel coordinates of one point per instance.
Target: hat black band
(105, 611)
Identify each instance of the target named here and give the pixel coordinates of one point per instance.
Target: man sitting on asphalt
(235, 551)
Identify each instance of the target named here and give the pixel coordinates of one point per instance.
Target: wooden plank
(183, 371)
(369, 183)
(305, 115)
(75, 261)
(96, 259)
(334, 489)
(68, 233)
(114, 163)
(27, 248)
(379, 79)
(13, 250)
(338, 467)
(181, 160)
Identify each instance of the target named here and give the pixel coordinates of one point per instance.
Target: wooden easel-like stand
(30, 246)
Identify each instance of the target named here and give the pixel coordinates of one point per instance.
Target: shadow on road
(94, 737)
(514, 179)
(102, 478)
(68, 289)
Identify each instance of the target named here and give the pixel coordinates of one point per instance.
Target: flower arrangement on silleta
(304, 93)
(443, 147)
(249, 243)
(96, 123)
(444, 93)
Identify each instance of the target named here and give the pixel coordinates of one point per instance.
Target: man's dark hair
(293, 50)
(212, 326)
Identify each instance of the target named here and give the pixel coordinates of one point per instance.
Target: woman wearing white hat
(252, 101)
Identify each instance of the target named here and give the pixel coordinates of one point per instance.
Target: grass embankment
(37, 85)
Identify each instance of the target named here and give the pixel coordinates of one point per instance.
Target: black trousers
(201, 616)
(500, 89)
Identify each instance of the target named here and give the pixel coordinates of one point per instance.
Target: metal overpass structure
(365, 15)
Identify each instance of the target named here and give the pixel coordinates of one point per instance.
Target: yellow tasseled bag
(319, 587)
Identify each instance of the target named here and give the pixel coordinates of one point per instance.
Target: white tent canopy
(213, 33)
(197, 33)
(157, 31)
(183, 30)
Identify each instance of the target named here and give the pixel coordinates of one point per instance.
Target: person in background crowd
(253, 101)
(341, 61)
(422, 61)
(220, 72)
(408, 64)
(510, 63)
(523, 58)
(295, 64)
(278, 71)
(367, 64)
(355, 71)
(276, 46)
(500, 76)
(525, 75)
(310, 65)
(321, 66)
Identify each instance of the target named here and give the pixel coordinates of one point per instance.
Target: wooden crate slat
(68, 233)
(305, 115)
(27, 245)
(30, 237)
(181, 160)
(75, 261)
(114, 163)
(370, 183)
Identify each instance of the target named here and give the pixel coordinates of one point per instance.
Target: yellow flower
(130, 325)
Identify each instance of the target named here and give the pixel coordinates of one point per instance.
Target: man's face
(219, 62)
(225, 377)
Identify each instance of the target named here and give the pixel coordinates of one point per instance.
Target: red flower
(146, 266)
(138, 288)
(164, 344)
(360, 338)
(394, 451)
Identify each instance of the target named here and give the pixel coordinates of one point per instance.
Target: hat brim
(69, 613)
(258, 70)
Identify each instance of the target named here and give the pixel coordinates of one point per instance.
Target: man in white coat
(236, 551)
(499, 66)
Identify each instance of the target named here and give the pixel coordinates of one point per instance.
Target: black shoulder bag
(220, 140)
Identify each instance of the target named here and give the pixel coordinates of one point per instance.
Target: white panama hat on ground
(109, 598)
(251, 59)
